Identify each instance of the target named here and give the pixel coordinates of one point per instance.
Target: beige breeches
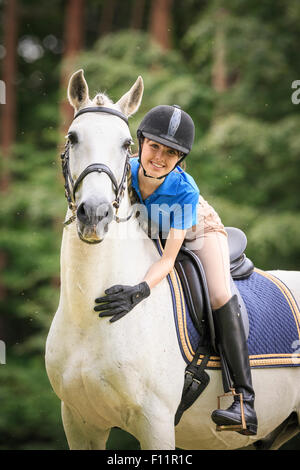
(208, 240)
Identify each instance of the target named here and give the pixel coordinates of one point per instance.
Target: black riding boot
(233, 344)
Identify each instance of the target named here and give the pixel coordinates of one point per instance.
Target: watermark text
(296, 95)
(2, 92)
(2, 352)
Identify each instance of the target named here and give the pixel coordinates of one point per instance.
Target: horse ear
(130, 102)
(78, 91)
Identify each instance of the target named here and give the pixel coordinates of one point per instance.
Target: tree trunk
(8, 114)
(160, 22)
(8, 108)
(73, 42)
(107, 17)
(219, 69)
(137, 14)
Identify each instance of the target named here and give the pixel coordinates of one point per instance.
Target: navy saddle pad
(274, 320)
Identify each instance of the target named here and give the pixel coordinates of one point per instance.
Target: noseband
(71, 186)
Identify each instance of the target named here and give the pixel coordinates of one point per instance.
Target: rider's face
(157, 159)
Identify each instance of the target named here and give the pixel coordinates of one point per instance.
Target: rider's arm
(120, 299)
(161, 268)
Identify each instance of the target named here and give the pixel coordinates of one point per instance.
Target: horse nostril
(82, 214)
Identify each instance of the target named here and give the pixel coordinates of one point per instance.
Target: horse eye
(73, 138)
(127, 144)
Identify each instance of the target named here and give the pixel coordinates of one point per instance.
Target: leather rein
(71, 186)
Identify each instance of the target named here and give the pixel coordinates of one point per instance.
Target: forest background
(232, 65)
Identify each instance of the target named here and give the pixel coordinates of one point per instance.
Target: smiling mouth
(157, 165)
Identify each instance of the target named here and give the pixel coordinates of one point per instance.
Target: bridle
(71, 186)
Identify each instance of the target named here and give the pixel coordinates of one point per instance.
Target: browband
(102, 109)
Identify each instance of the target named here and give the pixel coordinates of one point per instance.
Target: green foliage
(33, 211)
(30, 419)
(165, 74)
(252, 161)
(259, 46)
(121, 440)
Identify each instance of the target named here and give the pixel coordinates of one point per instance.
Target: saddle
(193, 281)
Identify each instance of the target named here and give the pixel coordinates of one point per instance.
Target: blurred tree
(219, 71)
(29, 243)
(252, 161)
(249, 151)
(139, 54)
(73, 40)
(160, 22)
(137, 14)
(107, 17)
(260, 55)
(8, 114)
(8, 118)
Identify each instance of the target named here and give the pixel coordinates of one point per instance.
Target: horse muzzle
(93, 219)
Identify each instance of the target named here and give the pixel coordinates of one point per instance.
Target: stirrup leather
(233, 427)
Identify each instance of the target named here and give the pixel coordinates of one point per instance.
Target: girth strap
(195, 381)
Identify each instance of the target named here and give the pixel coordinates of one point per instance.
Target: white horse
(129, 374)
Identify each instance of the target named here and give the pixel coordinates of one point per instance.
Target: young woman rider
(166, 136)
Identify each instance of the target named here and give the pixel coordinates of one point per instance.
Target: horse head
(96, 159)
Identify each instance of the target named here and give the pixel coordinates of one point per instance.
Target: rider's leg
(214, 256)
(210, 245)
(208, 240)
(231, 337)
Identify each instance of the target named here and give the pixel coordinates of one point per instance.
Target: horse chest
(82, 373)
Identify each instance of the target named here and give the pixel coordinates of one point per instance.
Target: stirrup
(233, 427)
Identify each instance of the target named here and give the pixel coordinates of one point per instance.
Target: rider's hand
(119, 300)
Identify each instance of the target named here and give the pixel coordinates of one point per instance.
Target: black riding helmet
(170, 126)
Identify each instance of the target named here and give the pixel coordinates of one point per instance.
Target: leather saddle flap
(194, 285)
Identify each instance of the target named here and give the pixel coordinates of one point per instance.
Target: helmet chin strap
(153, 177)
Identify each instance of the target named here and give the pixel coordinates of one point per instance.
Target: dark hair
(183, 165)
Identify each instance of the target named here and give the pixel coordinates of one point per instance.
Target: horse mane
(101, 99)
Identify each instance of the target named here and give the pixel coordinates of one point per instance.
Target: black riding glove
(119, 300)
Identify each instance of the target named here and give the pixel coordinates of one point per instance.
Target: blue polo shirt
(174, 203)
